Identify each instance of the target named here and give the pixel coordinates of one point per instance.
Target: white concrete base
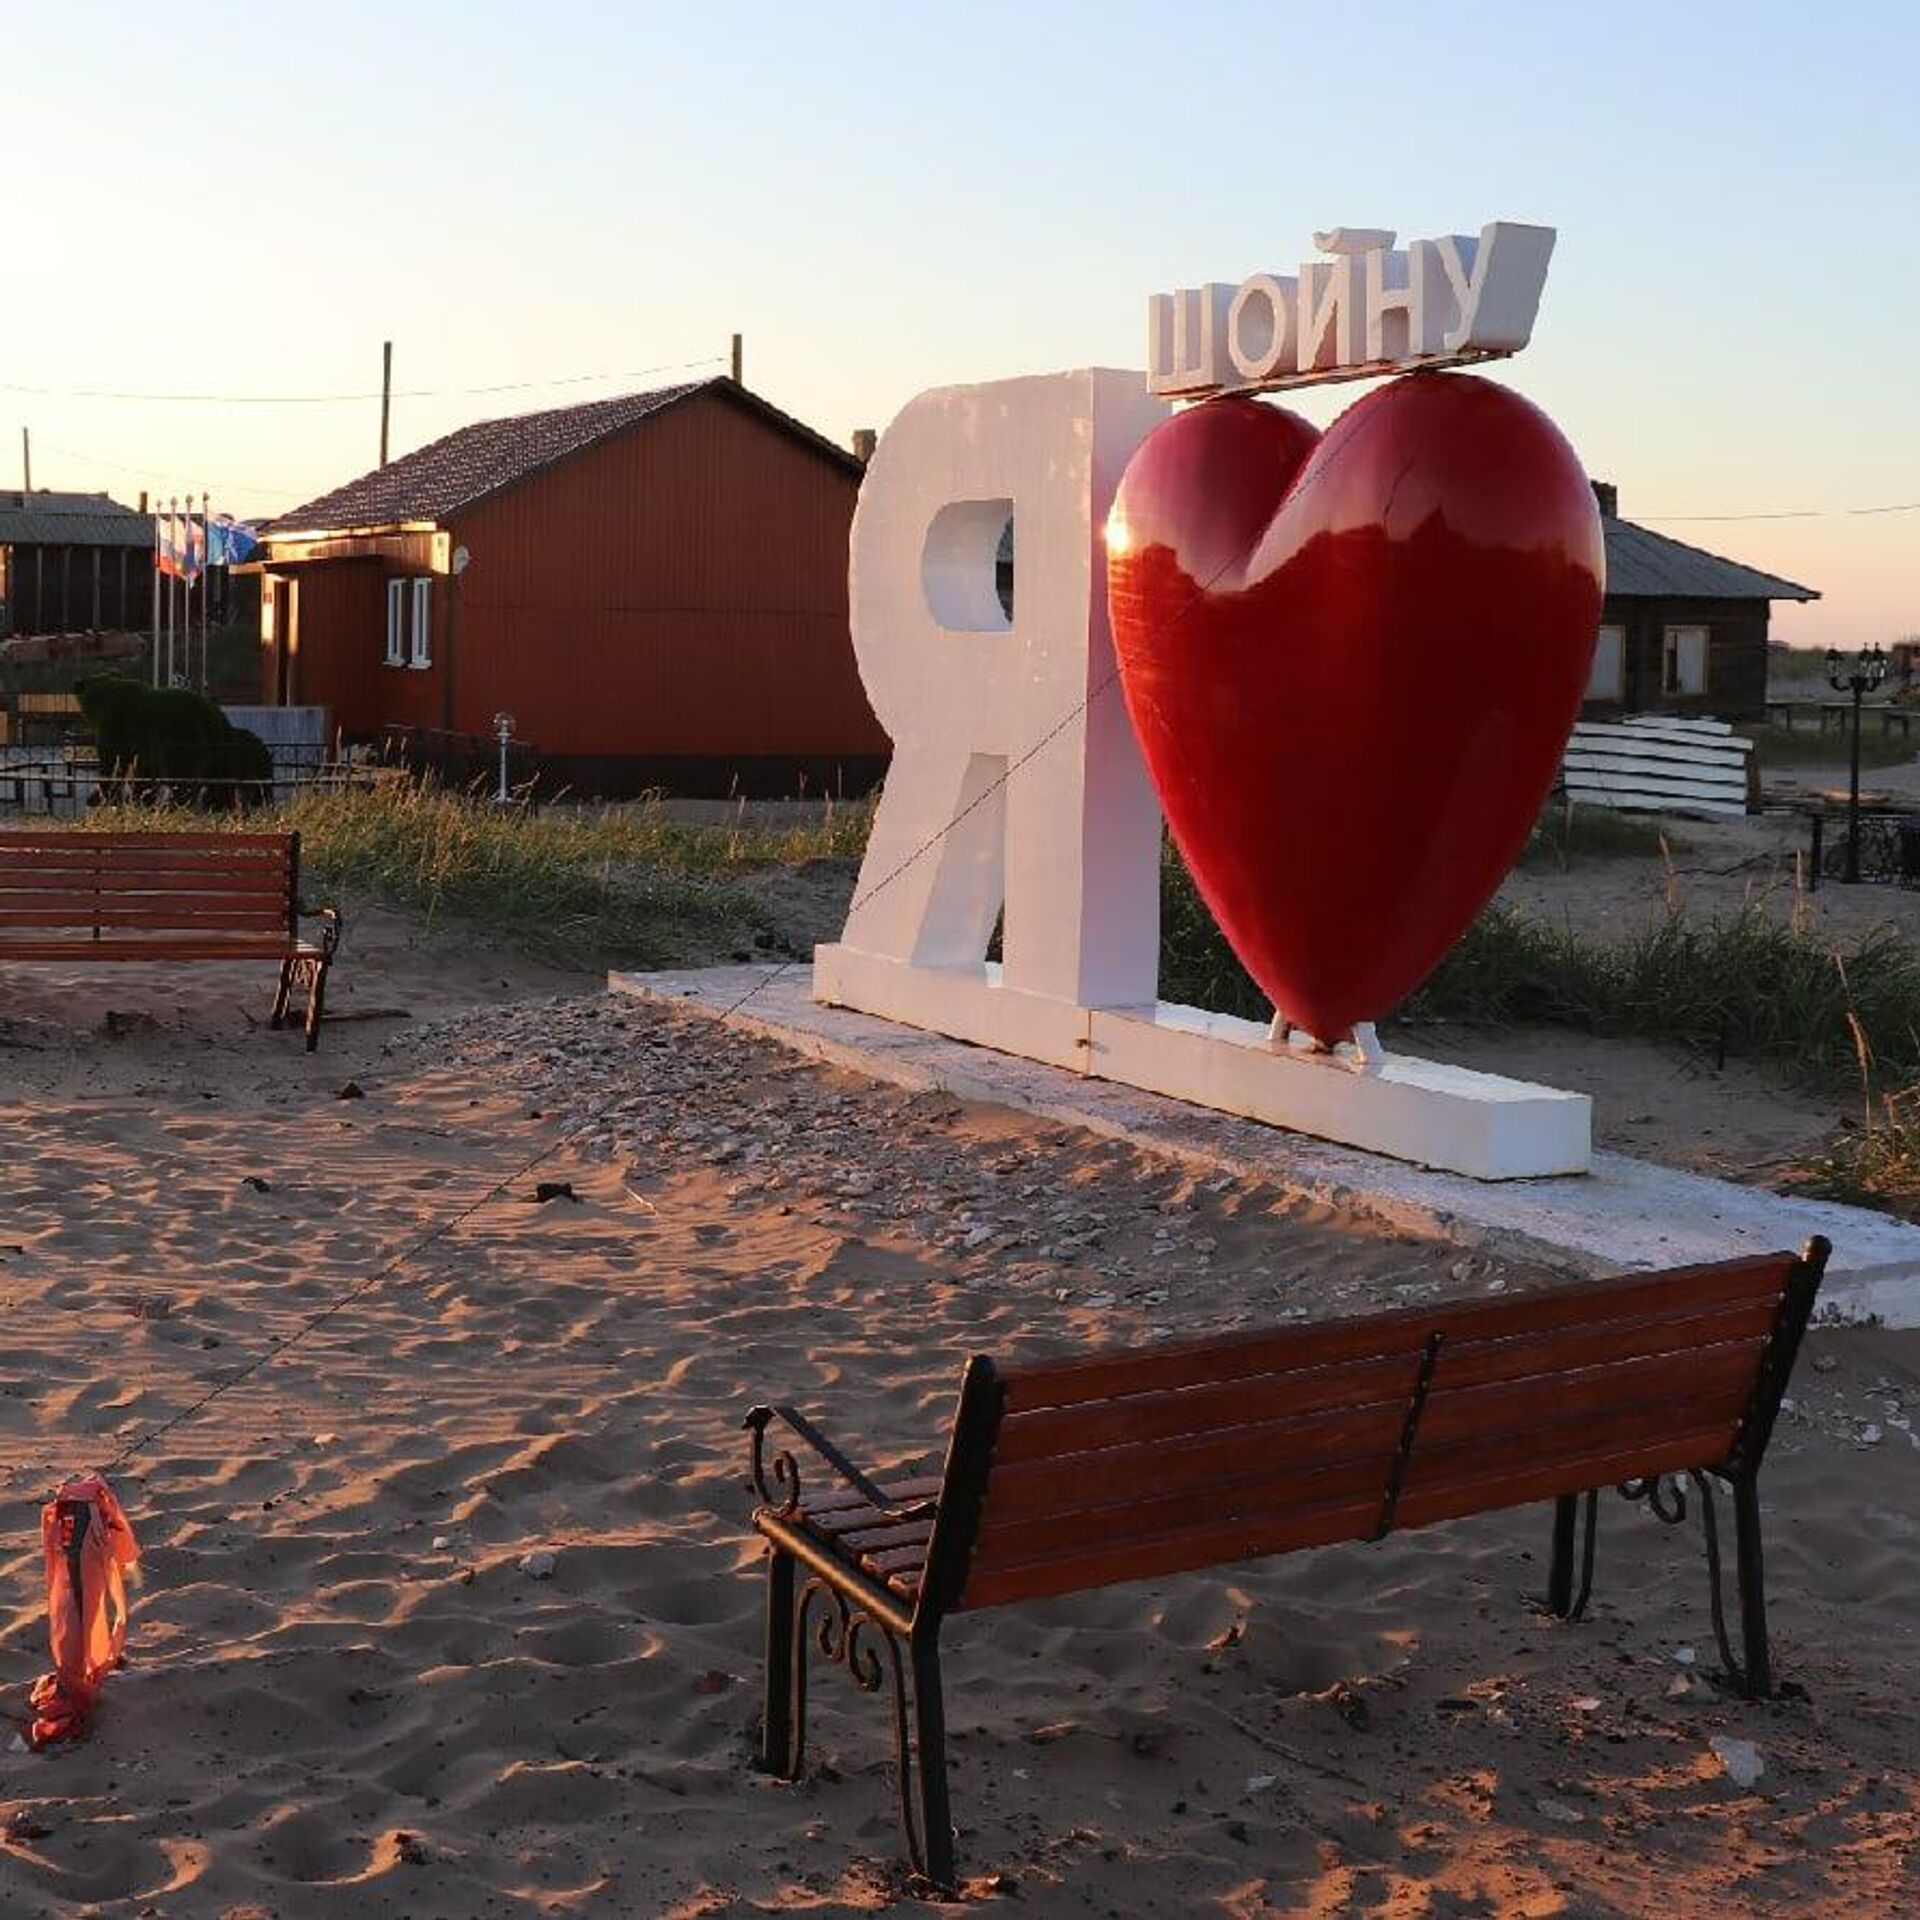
(1624, 1214)
(1417, 1110)
(964, 1003)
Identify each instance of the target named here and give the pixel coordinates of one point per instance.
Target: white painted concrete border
(1432, 1115)
(1624, 1214)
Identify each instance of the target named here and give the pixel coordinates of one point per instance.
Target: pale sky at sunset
(245, 200)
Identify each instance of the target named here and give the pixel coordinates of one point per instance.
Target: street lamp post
(1869, 668)
(503, 729)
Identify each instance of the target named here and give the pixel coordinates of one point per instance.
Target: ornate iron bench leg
(1751, 1672)
(316, 1000)
(1560, 1580)
(1750, 1573)
(282, 999)
(1563, 1598)
(935, 1857)
(846, 1634)
(786, 1680)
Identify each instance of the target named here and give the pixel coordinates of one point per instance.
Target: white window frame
(421, 655)
(1673, 660)
(396, 623)
(1607, 678)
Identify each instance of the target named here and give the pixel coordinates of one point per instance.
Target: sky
(233, 201)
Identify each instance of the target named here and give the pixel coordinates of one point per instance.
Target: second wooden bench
(83, 897)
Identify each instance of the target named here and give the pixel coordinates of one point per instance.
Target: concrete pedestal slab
(1418, 1110)
(1624, 1214)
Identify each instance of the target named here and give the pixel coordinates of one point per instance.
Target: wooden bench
(1143, 1462)
(83, 897)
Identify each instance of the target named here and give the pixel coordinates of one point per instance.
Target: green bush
(168, 736)
(1752, 987)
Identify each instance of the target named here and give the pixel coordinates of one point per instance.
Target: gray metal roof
(43, 519)
(1644, 565)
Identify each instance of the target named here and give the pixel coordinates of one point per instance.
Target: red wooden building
(655, 587)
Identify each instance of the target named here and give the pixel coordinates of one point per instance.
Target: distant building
(1681, 630)
(655, 587)
(73, 563)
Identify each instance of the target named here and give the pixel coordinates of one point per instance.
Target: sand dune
(346, 1697)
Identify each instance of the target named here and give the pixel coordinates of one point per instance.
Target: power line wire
(155, 475)
(1790, 513)
(340, 399)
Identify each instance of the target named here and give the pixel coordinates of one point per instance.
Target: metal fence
(65, 785)
(1889, 848)
(51, 769)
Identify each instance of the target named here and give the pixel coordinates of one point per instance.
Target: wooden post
(386, 395)
(737, 359)
(95, 627)
(26, 461)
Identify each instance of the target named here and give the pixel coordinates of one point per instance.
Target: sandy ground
(346, 1697)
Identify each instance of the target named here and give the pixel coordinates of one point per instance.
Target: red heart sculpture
(1353, 661)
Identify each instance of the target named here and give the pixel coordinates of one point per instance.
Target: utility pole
(386, 394)
(26, 458)
(736, 360)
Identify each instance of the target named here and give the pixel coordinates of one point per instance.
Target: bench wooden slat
(1256, 1535)
(1720, 1377)
(240, 919)
(1272, 1489)
(35, 876)
(1631, 1298)
(1716, 1378)
(256, 877)
(1247, 1400)
(882, 1539)
(1025, 1489)
(77, 909)
(234, 946)
(1518, 1483)
(28, 839)
(833, 1498)
(1170, 1365)
(1111, 1510)
(1197, 1410)
(1204, 1545)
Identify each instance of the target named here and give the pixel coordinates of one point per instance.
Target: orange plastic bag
(89, 1549)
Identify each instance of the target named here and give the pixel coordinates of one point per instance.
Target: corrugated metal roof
(43, 519)
(1644, 565)
(441, 479)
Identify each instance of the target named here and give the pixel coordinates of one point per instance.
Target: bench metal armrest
(783, 1495)
(334, 926)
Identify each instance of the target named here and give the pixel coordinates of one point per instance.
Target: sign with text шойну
(1368, 308)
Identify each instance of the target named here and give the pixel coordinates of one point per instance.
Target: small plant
(1567, 834)
(1809, 747)
(1875, 1164)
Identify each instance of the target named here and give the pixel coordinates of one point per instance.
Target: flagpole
(155, 558)
(173, 582)
(206, 587)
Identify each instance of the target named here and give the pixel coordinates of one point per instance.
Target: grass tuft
(1751, 987)
(1808, 747)
(1567, 835)
(567, 882)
